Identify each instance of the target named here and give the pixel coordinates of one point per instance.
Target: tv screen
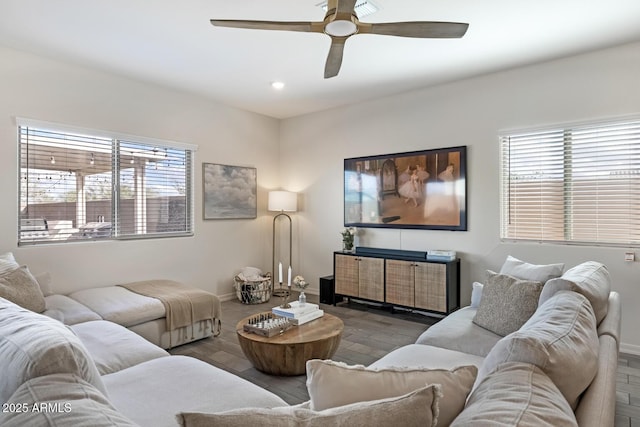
(418, 189)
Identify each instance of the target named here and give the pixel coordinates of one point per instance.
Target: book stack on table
(297, 314)
(441, 256)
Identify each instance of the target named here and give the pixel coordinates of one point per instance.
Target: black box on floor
(327, 290)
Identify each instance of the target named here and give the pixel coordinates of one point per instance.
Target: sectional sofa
(537, 347)
(557, 369)
(99, 373)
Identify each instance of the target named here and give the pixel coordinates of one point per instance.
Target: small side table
(287, 354)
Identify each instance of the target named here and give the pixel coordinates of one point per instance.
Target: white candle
(280, 272)
(289, 277)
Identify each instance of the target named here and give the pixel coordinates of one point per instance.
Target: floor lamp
(282, 201)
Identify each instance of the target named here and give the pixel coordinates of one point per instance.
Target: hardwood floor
(369, 333)
(628, 391)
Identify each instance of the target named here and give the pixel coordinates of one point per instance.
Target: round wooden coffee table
(287, 353)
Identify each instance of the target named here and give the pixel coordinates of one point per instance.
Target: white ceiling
(172, 43)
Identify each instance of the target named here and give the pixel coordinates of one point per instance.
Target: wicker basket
(253, 292)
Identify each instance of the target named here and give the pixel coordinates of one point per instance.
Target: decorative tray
(267, 325)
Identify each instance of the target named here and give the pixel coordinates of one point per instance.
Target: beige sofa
(558, 369)
(99, 373)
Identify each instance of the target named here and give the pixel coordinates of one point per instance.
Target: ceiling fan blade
(269, 25)
(346, 6)
(440, 30)
(334, 60)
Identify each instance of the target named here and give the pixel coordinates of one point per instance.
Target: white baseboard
(232, 295)
(227, 297)
(630, 349)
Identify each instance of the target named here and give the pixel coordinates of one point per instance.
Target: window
(578, 184)
(85, 185)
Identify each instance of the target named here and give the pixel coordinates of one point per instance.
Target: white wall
(471, 113)
(312, 149)
(38, 88)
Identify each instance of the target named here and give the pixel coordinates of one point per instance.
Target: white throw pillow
(331, 384)
(7, 263)
(560, 338)
(516, 394)
(590, 279)
(33, 345)
(416, 409)
(44, 281)
(476, 294)
(525, 271)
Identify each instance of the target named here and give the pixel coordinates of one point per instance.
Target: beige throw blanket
(184, 304)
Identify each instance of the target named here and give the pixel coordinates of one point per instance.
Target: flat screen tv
(419, 189)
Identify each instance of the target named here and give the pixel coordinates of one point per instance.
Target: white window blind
(575, 184)
(77, 186)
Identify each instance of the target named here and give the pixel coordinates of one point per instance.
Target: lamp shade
(283, 201)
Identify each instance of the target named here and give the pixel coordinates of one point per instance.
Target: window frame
(569, 219)
(116, 140)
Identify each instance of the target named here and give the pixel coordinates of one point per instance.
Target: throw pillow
(416, 409)
(33, 345)
(560, 338)
(516, 394)
(507, 303)
(19, 286)
(44, 281)
(331, 384)
(476, 294)
(7, 263)
(70, 401)
(536, 272)
(590, 279)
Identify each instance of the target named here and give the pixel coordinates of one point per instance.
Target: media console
(397, 278)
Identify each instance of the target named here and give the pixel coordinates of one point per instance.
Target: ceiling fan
(341, 22)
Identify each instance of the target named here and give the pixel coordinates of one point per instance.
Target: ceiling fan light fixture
(343, 21)
(362, 8)
(341, 28)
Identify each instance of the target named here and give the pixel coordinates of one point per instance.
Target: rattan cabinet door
(371, 278)
(346, 275)
(431, 286)
(400, 282)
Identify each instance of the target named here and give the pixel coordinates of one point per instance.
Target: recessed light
(277, 85)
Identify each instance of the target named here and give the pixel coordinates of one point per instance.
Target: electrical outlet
(629, 256)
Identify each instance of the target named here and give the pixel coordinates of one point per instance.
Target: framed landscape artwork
(419, 189)
(229, 191)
